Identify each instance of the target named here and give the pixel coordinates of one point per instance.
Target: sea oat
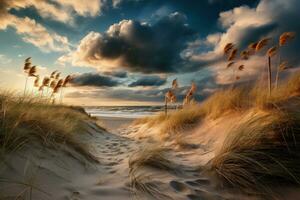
(37, 81)
(174, 84)
(228, 47)
(272, 51)
(53, 84)
(245, 54)
(232, 55)
(286, 37)
(262, 43)
(57, 76)
(32, 71)
(241, 67)
(53, 74)
(230, 64)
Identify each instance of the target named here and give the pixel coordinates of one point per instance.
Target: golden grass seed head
(272, 51)
(285, 37)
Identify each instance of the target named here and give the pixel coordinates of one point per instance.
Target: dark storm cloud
(139, 47)
(253, 33)
(149, 81)
(279, 17)
(118, 74)
(205, 87)
(94, 79)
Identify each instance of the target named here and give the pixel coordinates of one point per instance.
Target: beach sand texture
(42, 173)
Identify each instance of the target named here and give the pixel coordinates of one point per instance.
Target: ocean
(123, 111)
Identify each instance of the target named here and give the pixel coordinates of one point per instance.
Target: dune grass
(152, 156)
(238, 100)
(261, 151)
(24, 119)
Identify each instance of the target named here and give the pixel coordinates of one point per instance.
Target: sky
(127, 52)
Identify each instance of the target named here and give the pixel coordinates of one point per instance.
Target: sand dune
(37, 172)
(131, 163)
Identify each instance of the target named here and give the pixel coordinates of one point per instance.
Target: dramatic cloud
(136, 46)
(118, 74)
(59, 10)
(244, 25)
(94, 79)
(29, 29)
(149, 81)
(82, 7)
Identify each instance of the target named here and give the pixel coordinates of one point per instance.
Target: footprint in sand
(74, 196)
(178, 186)
(112, 163)
(112, 172)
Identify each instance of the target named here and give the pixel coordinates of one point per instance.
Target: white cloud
(31, 31)
(36, 34)
(243, 25)
(82, 7)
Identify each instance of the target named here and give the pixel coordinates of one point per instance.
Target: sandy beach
(114, 124)
(42, 173)
(128, 162)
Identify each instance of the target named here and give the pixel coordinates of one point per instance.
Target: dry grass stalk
(32, 71)
(53, 84)
(272, 51)
(27, 64)
(262, 43)
(57, 76)
(230, 64)
(174, 84)
(252, 46)
(46, 81)
(37, 81)
(189, 95)
(228, 47)
(283, 66)
(241, 67)
(170, 96)
(53, 74)
(232, 55)
(67, 80)
(245, 54)
(285, 37)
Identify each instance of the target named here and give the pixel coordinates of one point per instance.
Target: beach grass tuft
(24, 119)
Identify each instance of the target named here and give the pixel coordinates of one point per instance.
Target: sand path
(41, 173)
